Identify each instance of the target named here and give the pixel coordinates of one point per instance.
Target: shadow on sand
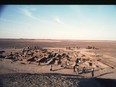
(103, 74)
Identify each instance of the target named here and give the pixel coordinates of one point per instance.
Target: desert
(57, 45)
(50, 63)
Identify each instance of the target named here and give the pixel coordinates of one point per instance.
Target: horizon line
(57, 39)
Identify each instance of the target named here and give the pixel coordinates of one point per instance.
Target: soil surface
(19, 74)
(52, 80)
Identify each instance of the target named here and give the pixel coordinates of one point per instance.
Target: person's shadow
(103, 74)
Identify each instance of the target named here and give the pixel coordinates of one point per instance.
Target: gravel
(36, 80)
(52, 80)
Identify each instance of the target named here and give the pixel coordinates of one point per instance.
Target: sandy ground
(16, 67)
(31, 75)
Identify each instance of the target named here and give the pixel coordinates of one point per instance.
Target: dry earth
(31, 75)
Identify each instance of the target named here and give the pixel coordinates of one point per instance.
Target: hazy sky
(86, 22)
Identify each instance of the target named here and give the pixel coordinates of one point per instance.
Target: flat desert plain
(29, 70)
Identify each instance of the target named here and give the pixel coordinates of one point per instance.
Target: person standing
(83, 70)
(77, 69)
(92, 72)
(74, 66)
(51, 67)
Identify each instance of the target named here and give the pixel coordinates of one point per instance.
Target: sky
(77, 22)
